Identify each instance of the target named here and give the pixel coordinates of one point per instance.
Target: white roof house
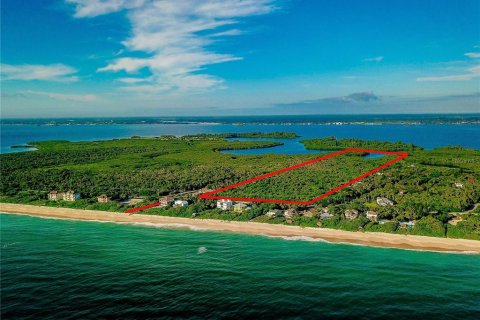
(240, 207)
(325, 215)
(103, 198)
(180, 203)
(224, 204)
(165, 201)
(459, 184)
(273, 213)
(382, 201)
(406, 224)
(372, 215)
(71, 196)
(312, 212)
(290, 213)
(351, 214)
(55, 196)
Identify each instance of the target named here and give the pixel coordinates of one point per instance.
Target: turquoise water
(62, 269)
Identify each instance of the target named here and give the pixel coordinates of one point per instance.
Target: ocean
(63, 269)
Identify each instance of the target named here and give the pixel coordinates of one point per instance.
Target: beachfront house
(351, 214)
(325, 215)
(103, 198)
(224, 204)
(240, 207)
(274, 213)
(165, 201)
(55, 196)
(312, 212)
(290, 213)
(372, 216)
(406, 224)
(71, 196)
(180, 203)
(382, 201)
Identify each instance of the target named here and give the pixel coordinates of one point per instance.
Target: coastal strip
(377, 239)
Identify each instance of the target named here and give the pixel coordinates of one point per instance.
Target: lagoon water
(62, 269)
(426, 135)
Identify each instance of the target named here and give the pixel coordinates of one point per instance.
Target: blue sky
(218, 57)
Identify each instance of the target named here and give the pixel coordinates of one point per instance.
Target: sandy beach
(364, 238)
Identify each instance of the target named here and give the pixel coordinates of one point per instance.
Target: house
(103, 198)
(351, 214)
(274, 213)
(71, 196)
(55, 196)
(325, 215)
(382, 201)
(406, 224)
(290, 213)
(372, 216)
(459, 184)
(180, 203)
(165, 201)
(240, 207)
(224, 204)
(312, 212)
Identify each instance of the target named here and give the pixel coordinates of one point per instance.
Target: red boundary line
(210, 194)
(148, 206)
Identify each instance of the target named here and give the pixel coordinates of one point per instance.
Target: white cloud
(177, 36)
(93, 8)
(231, 32)
(67, 96)
(473, 54)
(53, 72)
(471, 73)
(374, 59)
(132, 80)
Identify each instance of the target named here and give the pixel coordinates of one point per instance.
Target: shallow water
(67, 269)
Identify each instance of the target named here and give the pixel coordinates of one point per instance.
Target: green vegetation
(468, 228)
(426, 186)
(308, 182)
(332, 143)
(255, 135)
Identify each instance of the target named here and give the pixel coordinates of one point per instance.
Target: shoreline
(376, 239)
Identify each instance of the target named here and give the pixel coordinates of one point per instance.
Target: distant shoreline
(278, 119)
(376, 239)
